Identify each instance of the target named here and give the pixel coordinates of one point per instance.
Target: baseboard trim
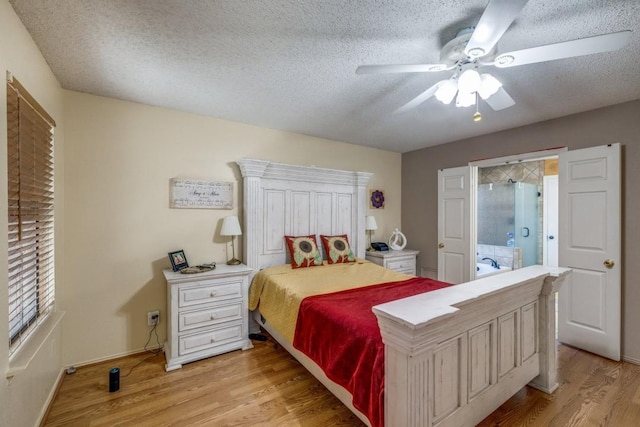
(631, 360)
(116, 356)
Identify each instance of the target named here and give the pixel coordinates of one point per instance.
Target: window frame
(30, 210)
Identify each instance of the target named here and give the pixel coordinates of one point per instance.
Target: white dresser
(403, 261)
(207, 315)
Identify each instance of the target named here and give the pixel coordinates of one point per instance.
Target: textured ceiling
(290, 64)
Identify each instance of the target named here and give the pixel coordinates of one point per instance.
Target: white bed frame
(452, 356)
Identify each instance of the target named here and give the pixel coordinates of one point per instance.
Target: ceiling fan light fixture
(489, 85)
(464, 52)
(469, 81)
(447, 91)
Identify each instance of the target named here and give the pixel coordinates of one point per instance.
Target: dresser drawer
(210, 339)
(209, 316)
(402, 264)
(204, 292)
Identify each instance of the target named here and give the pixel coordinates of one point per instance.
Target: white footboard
(454, 355)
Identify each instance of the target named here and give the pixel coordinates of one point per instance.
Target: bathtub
(484, 270)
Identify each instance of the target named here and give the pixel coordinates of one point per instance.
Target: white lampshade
(447, 91)
(230, 226)
(370, 223)
(469, 81)
(489, 86)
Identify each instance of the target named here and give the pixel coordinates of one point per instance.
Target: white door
(550, 221)
(455, 246)
(589, 309)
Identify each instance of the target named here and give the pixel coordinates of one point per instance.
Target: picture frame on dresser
(178, 260)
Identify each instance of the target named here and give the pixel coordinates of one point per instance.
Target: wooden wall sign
(200, 194)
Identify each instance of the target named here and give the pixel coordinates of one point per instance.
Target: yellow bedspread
(278, 291)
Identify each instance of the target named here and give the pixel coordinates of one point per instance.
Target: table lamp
(231, 227)
(370, 225)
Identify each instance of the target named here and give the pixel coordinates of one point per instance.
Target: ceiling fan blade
(570, 49)
(420, 98)
(403, 68)
(500, 100)
(495, 20)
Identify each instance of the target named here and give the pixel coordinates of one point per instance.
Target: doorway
(515, 211)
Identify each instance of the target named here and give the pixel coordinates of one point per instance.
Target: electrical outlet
(153, 317)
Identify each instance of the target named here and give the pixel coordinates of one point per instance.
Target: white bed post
(408, 402)
(547, 381)
(252, 172)
(362, 180)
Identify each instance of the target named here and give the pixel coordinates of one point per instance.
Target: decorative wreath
(377, 199)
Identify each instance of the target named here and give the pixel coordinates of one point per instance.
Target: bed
(451, 356)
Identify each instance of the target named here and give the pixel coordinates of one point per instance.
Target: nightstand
(401, 261)
(208, 314)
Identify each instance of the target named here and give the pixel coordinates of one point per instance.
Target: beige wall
(619, 123)
(119, 158)
(23, 398)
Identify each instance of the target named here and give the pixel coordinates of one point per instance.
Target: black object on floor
(257, 337)
(114, 380)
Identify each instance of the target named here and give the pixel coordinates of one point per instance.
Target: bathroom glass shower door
(508, 217)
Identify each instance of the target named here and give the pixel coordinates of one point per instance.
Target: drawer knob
(213, 340)
(213, 317)
(213, 294)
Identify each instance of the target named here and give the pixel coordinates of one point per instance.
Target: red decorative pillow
(303, 251)
(337, 249)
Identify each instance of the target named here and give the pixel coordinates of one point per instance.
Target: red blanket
(340, 333)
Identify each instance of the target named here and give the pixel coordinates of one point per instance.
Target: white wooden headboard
(281, 199)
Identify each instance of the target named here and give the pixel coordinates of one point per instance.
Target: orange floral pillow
(337, 249)
(303, 251)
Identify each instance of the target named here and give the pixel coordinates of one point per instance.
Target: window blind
(30, 213)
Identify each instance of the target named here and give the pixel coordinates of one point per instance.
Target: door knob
(441, 245)
(609, 263)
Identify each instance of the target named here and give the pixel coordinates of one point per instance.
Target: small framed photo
(178, 260)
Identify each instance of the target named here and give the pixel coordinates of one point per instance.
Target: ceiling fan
(474, 49)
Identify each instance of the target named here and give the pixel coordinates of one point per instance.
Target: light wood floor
(265, 386)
